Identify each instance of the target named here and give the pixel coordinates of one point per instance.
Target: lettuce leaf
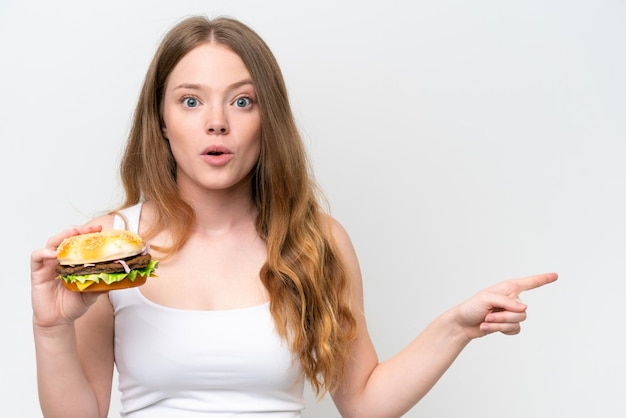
(109, 278)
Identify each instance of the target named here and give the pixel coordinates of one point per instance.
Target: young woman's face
(211, 119)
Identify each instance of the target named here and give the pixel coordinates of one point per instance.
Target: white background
(460, 143)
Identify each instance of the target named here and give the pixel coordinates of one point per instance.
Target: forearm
(64, 390)
(398, 383)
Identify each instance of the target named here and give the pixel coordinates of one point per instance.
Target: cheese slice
(83, 286)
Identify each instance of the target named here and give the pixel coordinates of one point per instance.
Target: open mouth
(216, 151)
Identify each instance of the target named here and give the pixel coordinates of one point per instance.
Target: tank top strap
(128, 218)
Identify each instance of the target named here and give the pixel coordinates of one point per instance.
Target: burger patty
(136, 262)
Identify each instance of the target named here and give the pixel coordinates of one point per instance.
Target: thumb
(506, 303)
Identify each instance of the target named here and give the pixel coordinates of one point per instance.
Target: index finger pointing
(538, 280)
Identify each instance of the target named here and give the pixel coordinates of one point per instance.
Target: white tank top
(175, 363)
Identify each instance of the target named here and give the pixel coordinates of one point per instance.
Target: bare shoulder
(330, 223)
(344, 245)
(338, 232)
(105, 221)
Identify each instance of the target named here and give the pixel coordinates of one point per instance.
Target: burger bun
(98, 247)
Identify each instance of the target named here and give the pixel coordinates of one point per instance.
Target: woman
(258, 287)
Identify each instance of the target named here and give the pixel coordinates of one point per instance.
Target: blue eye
(191, 102)
(243, 102)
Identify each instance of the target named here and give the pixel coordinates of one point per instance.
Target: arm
(392, 387)
(73, 334)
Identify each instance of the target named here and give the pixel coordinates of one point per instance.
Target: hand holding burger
(102, 261)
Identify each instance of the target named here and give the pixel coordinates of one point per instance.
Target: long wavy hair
(304, 274)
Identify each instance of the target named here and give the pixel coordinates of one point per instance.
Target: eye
(190, 102)
(243, 102)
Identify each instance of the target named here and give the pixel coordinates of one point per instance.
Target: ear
(164, 130)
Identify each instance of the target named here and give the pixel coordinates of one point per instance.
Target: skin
(210, 102)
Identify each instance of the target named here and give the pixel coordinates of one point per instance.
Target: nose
(216, 121)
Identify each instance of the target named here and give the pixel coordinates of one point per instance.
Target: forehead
(210, 64)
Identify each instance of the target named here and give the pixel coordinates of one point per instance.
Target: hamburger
(101, 261)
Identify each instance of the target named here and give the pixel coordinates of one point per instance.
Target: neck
(222, 210)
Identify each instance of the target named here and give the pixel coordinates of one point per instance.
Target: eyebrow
(195, 86)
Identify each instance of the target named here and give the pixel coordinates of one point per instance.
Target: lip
(217, 155)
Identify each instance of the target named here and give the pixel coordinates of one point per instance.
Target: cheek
(177, 129)
(255, 133)
(175, 122)
(178, 140)
(255, 144)
(249, 132)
